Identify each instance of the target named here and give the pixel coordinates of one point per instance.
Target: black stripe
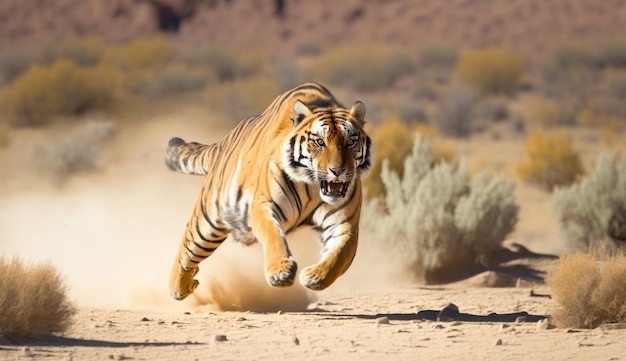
(281, 214)
(206, 218)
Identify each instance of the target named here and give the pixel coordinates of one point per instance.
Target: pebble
(498, 342)
(145, 319)
(220, 338)
(382, 320)
(295, 341)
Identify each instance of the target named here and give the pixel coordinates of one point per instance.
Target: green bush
(363, 68)
(437, 221)
(592, 211)
(552, 161)
(33, 299)
(589, 291)
(491, 70)
(64, 89)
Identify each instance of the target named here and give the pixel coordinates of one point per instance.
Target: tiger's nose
(337, 171)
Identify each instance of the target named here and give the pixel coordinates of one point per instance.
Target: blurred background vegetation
(515, 134)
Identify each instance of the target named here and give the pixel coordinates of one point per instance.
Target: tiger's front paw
(281, 274)
(183, 284)
(315, 277)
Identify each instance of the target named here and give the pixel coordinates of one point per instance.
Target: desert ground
(113, 234)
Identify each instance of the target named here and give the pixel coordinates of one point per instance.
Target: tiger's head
(328, 148)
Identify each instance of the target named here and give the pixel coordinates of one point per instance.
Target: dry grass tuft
(33, 299)
(589, 291)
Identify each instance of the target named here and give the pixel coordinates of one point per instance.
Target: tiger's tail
(188, 158)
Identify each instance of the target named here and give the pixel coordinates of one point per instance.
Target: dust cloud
(113, 233)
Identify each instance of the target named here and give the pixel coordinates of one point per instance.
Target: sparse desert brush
(437, 221)
(552, 161)
(491, 70)
(592, 212)
(87, 51)
(14, 61)
(588, 290)
(145, 54)
(393, 141)
(77, 150)
(63, 89)
(547, 112)
(228, 64)
(454, 112)
(33, 299)
(612, 53)
(438, 59)
(366, 68)
(173, 79)
(241, 98)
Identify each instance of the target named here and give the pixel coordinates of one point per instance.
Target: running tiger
(297, 164)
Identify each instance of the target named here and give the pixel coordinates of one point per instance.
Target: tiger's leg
(339, 246)
(280, 267)
(201, 239)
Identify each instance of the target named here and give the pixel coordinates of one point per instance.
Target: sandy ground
(113, 234)
(374, 325)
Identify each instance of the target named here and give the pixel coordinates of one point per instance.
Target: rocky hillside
(530, 26)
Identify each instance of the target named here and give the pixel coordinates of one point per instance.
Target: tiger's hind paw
(281, 274)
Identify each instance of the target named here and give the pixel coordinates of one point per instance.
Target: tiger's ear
(358, 112)
(300, 112)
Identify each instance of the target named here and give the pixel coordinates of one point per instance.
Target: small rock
(279, 312)
(544, 325)
(145, 319)
(503, 327)
(382, 320)
(448, 313)
(220, 338)
(241, 319)
(498, 342)
(295, 341)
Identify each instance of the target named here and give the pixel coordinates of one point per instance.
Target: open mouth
(333, 188)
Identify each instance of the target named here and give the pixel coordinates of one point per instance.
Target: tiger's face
(328, 148)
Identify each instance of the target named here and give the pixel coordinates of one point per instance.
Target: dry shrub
(552, 161)
(438, 60)
(454, 112)
(145, 54)
(438, 222)
(612, 53)
(64, 89)
(241, 98)
(13, 62)
(392, 141)
(77, 150)
(547, 112)
(589, 291)
(592, 212)
(172, 80)
(366, 68)
(33, 299)
(491, 70)
(227, 64)
(86, 51)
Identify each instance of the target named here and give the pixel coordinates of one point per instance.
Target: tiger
(297, 164)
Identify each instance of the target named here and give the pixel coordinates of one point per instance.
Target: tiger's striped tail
(188, 158)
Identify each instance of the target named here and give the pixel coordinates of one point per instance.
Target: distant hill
(529, 26)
